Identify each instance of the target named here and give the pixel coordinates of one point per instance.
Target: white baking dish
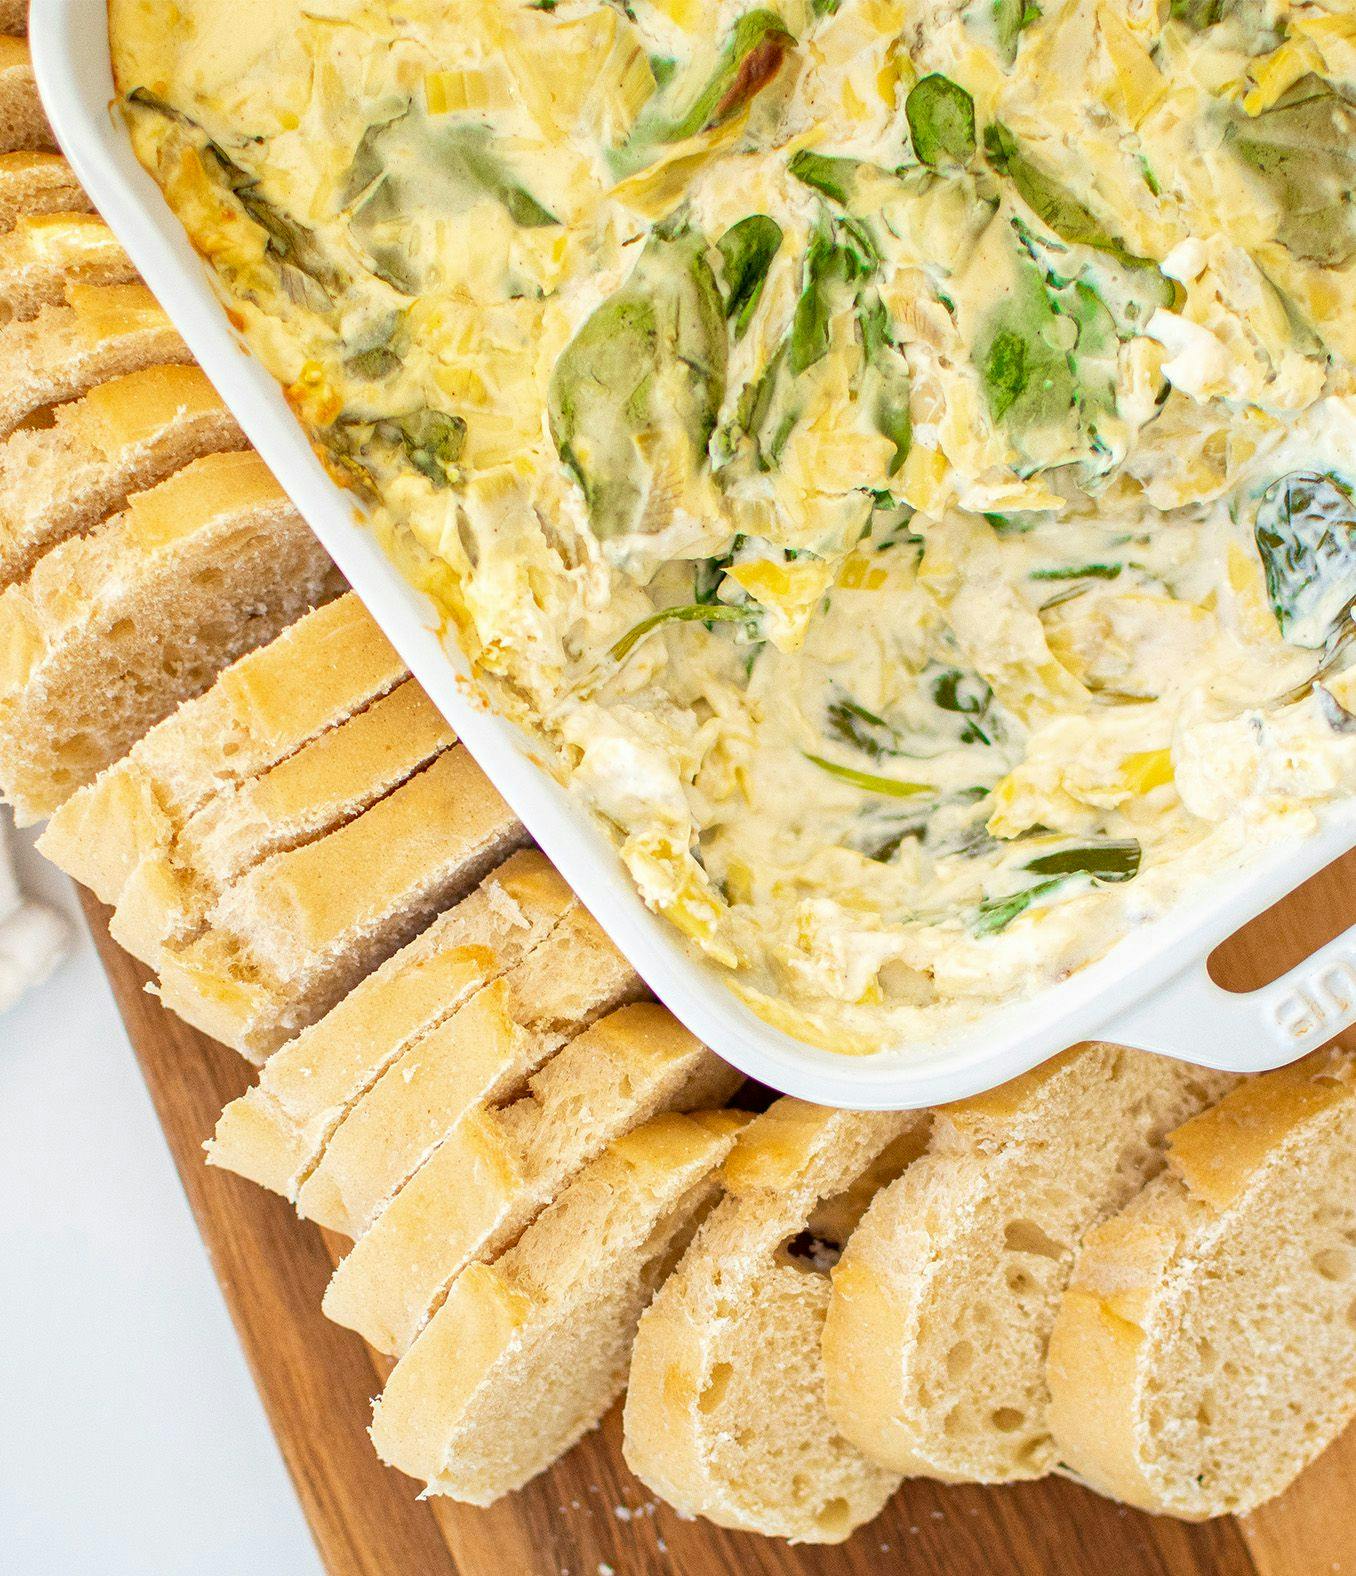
(1152, 990)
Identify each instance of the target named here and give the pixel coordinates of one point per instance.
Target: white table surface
(132, 1441)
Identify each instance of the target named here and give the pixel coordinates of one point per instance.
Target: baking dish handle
(1191, 1017)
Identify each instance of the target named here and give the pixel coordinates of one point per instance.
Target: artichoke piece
(430, 440)
(649, 360)
(757, 45)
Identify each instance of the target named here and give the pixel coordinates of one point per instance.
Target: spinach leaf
(839, 261)
(869, 782)
(1010, 19)
(941, 117)
(767, 411)
(890, 409)
(1109, 862)
(826, 172)
(651, 356)
(747, 250)
(996, 913)
(853, 724)
(686, 613)
(1062, 212)
(968, 695)
(1112, 861)
(378, 349)
(305, 272)
(1019, 350)
(1302, 150)
(1306, 537)
(1200, 14)
(838, 256)
(1079, 572)
(411, 161)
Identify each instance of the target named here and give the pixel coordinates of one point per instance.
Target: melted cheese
(898, 460)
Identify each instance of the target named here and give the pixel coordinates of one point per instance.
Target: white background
(132, 1442)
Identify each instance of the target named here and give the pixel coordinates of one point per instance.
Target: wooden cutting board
(589, 1516)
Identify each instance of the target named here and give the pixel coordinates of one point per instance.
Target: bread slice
(487, 1048)
(527, 1353)
(328, 665)
(46, 252)
(276, 1131)
(328, 782)
(296, 933)
(38, 183)
(507, 1156)
(14, 16)
(1205, 1350)
(726, 1416)
(101, 332)
(22, 122)
(934, 1346)
(121, 438)
(505, 1159)
(115, 629)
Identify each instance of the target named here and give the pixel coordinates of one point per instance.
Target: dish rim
(71, 54)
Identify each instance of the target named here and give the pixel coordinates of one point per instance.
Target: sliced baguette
(113, 630)
(293, 935)
(527, 1353)
(934, 1346)
(1205, 1350)
(506, 1160)
(275, 1133)
(14, 16)
(264, 707)
(328, 782)
(726, 1416)
(486, 1049)
(22, 122)
(102, 332)
(44, 253)
(121, 438)
(38, 183)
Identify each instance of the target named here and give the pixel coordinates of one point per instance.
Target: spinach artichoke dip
(898, 455)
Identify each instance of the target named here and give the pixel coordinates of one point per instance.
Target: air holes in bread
(1025, 1236)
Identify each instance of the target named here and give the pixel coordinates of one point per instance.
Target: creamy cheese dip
(898, 454)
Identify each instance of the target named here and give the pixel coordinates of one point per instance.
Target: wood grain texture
(589, 1514)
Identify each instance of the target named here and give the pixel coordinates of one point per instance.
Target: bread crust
(168, 592)
(260, 711)
(500, 1164)
(717, 1319)
(277, 1130)
(564, 1302)
(1120, 1305)
(987, 1224)
(293, 935)
(122, 437)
